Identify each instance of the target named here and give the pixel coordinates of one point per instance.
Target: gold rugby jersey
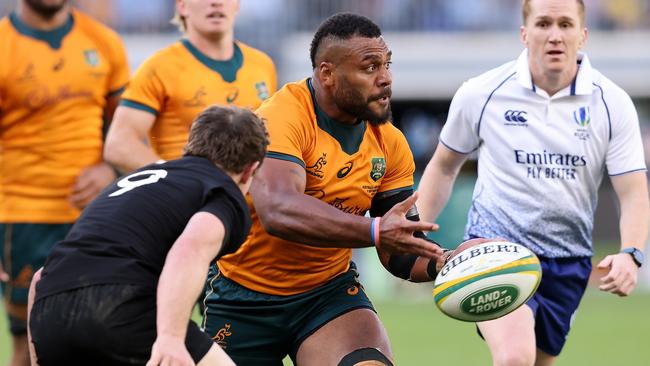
(53, 89)
(345, 165)
(179, 82)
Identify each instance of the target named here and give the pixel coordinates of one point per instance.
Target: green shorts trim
(261, 329)
(24, 250)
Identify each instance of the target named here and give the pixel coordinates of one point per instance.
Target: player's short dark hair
(342, 26)
(230, 137)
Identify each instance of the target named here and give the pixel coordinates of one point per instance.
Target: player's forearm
(129, 154)
(634, 221)
(180, 284)
(632, 192)
(434, 191)
(307, 220)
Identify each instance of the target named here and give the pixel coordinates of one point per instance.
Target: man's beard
(353, 103)
(45, 11)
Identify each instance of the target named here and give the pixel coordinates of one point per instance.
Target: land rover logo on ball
(489, 300)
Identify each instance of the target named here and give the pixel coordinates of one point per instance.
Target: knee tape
(366, 357)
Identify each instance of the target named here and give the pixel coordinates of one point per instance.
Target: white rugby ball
(487, 281)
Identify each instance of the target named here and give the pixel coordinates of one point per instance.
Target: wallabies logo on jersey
(262, 90)
(378, 168)
(92, 58)
(317, 169)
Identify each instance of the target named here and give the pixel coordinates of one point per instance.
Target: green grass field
(607, 331)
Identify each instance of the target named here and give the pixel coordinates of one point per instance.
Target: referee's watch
(636, 254)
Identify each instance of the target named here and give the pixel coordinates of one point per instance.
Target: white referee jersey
(541, 159)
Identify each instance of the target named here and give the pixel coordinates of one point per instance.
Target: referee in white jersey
(547, 127)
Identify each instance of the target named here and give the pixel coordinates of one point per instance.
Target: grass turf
(608, 330)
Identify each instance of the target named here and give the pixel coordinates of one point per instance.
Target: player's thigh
(24, 248)
(544, 359)
(511, 338)
(253, 328)
(215, 356)
(354, 330)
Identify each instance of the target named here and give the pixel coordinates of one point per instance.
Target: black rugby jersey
(124, 235)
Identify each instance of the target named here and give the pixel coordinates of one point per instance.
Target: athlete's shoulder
(254, 55)
(609, 89)
(487, 82)
(7, 31)
(391, 136)
(294, 93)
(291, 105)
(5, 24)
(165, 63)
(95, 29)
(616, 101)
(174, 51)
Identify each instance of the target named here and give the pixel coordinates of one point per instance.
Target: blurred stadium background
(437, 44)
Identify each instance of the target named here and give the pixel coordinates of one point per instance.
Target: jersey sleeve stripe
(454, 150)
(139, 106)
(629, 171)
(287, 157)
(117, 91)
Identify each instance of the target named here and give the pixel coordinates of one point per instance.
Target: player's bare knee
(514, 358)
(365, 357)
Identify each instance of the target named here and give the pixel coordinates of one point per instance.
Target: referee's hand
(170, 351)
(622, 275)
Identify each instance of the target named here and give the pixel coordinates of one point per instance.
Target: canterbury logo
(515, 116)
(345, 170)
(221, 335)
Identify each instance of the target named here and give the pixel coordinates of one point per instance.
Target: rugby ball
(487, 281)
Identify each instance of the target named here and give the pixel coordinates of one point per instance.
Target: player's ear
(180, 8)
(237, 7)
(325, 73)
(583, 37)
(523, 35)
(247, 175)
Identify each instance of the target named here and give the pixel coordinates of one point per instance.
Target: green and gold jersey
(345, 166)
(178, 82)
(53, 91)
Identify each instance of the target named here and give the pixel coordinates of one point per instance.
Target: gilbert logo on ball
(487, 281)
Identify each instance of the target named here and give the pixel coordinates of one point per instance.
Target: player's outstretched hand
(622, 276)
(461, 247)
(90, 182)
(4, 276)
(169, 351)
(396, 232)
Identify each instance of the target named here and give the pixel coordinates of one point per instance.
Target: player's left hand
(4, 276)
(622, 276)
(90, 182)
(168, 351)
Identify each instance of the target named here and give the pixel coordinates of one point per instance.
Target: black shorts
(102, 325)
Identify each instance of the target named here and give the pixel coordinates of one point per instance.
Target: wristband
(374, 232)
(432, 269)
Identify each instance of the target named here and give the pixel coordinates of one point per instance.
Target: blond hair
(525, 10)
(179, 21)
